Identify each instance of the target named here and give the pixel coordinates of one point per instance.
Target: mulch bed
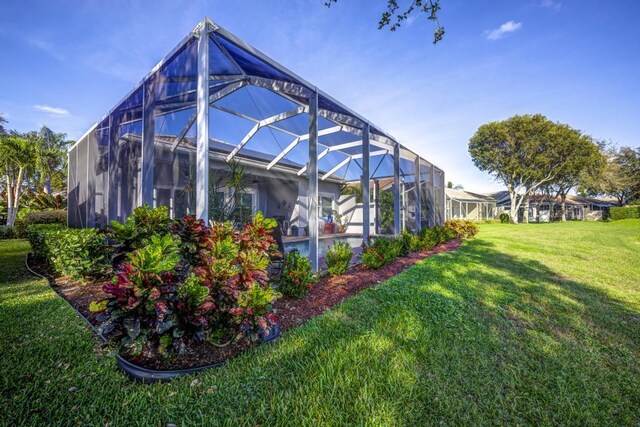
(329, 291)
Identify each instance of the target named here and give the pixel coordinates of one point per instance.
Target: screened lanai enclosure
(215, 106)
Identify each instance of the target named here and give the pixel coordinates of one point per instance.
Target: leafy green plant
(153, 309)
(405, 243)
(297, 278)
(41, 236)
(338, 258)
(236, 262)
(74, 253)
(378, 252)
(143, 223)
(193, 234)
(462, 228)
(46, 217)
(78, 253)
(504, 218)
(159, 254)
(624, 212)
(42, 201)
(339, 220)
(431, 237)
(253, 311)
(185, 282)
(7, 232)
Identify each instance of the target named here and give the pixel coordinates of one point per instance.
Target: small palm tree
(16, 161)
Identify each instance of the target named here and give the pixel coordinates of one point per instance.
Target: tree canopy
(618, 175)
(394, 15)
(526, 152)
(30, 163)
(2, 122)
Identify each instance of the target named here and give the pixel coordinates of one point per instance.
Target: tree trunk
(9, 201)
(563, 207)
(513, 208)
(12, 211)
(525, 213)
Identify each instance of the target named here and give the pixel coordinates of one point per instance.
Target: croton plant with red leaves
(193, 283)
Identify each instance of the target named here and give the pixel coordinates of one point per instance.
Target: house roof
(590, 200)
(503, 197)
(498, 195)
(467, 196)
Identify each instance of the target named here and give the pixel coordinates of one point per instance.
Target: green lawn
(527, 324)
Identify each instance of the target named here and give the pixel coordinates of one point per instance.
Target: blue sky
(65, 64)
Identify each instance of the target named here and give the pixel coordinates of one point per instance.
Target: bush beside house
(625, 212)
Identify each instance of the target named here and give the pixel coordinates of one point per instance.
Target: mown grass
(527, 324)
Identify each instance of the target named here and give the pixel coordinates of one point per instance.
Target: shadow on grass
(471, 337)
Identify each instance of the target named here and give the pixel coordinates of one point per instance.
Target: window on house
(325, 206)
(244, 206)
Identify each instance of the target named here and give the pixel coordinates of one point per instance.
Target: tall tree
(619, 177)
(524, 153)
(51, 155)
(3, 131)
(582, 156)
(394, 15)
(16, 160)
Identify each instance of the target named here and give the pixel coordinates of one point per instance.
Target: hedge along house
(215, 102)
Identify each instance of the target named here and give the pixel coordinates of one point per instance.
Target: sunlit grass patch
(529, 324)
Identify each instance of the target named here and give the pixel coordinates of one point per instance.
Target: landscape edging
(133, 370)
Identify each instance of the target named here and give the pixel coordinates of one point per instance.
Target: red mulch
(329, 291)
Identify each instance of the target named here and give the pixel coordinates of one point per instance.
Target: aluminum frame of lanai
(180, 118)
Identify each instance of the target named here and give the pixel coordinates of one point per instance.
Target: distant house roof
(503, 198)
(498, 195)
(590, 201)
(467, 196)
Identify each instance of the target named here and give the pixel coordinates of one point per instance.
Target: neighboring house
(215, 101)
(543, 208)
(467, 205)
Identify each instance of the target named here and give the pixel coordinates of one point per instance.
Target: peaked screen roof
(248, 89)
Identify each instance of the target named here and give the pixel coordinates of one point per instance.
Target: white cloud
(507, 27)
(56, 111)
(45, 46)
(550, 4)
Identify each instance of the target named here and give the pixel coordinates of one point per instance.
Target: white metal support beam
(262, 123)
(148, 140)
(280, 86)
(396, 189)
(355, 156)
(251, 119)
(228, 90)
(312, 195)
(444, 195)
(202, 111)
(418, 198)
(184, 130)
(336, 168)
(332, 148)
(376, 204)
(432, 197)
(298, 140)
(366, 210)
(112, 195)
